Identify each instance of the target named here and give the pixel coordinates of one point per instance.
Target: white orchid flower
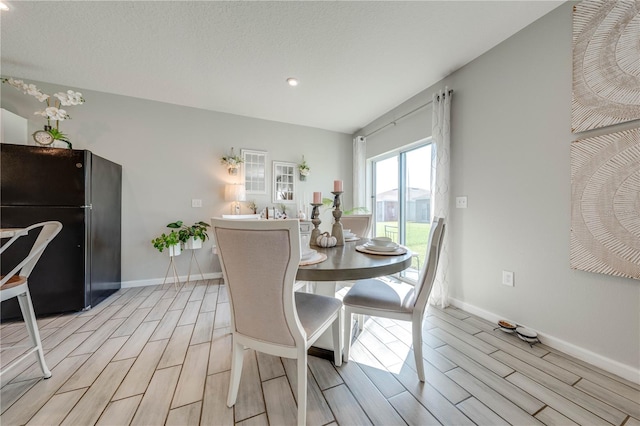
(53, 113)
(16, 83)
(63, 98)
(69, 98)
(75, 97)
(41, 97)
(31, 89)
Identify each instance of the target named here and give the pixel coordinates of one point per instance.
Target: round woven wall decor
(606, 63)
(605, 204)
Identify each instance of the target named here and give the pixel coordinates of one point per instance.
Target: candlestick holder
(315, 219)
(336, 230)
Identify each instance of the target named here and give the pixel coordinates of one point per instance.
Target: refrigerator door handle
(87, 206)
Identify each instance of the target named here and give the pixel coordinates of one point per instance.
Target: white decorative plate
(306, 255)
(373, 247)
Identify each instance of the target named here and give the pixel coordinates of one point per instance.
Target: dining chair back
(401, 301)
(259, 261)
(15, 284)
(360, 224)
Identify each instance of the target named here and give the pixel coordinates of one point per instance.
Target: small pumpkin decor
(326, 240)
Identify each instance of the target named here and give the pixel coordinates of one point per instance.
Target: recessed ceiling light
(3, 6)
(292, 81)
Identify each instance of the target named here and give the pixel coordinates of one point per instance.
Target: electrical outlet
(461, 202)
(507, 278)
(196, 202)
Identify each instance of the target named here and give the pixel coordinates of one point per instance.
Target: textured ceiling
(355, 60)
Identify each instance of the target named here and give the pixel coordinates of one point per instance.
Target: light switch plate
(196, 202)
(461, 202)
(507, 278)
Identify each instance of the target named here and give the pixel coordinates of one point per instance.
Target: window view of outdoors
(403, 200)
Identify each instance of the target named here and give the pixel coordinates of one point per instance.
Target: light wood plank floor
(155, 356)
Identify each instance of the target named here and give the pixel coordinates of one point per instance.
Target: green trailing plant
(165, 241)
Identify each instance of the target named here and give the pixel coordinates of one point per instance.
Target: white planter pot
(194, 243)
(174, 250)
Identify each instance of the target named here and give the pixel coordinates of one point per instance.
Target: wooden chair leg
(417, 347)
(302, 388)
(348, 333)
(338, 339)
(24, 300)
(237, 359)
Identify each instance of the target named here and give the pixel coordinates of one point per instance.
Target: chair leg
(302, 388)
(237, 358)
(360, 322)
(338, 338)
(417, 347)
(24, 300)
(348, 333)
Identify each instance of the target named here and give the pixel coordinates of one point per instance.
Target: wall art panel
(606, 63)
(605, 204)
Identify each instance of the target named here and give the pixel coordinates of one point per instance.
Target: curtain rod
(394, 122)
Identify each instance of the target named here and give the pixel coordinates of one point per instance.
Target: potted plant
(169, 241)
(197, 235)
(232, 162)
(191, 236)
(51, 135)
(304, 170)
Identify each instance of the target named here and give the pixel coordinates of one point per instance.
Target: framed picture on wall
(284, 182)
(254, 171)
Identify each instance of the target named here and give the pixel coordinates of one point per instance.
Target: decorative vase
(303, 178)
(60, 144)
(194, 243)
(233, 170)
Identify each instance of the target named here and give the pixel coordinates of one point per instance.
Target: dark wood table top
(344, 263)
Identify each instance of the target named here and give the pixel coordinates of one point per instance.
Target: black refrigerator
(83, 191)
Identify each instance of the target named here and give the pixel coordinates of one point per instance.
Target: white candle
(337, 186)
(317, 198)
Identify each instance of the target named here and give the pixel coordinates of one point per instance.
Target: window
(402, 198)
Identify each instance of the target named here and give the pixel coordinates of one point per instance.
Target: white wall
(511, 112)
(171, 154)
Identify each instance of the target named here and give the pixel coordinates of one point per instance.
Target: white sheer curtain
(440, 183)
(359, 171)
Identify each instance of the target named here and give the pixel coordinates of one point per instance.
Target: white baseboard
(156, 281)
(625, 371)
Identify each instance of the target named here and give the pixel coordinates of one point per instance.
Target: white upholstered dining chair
(400, 301)
(360, 224)
(15, 284)
(259, 260)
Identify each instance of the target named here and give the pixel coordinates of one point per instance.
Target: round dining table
(345, 263)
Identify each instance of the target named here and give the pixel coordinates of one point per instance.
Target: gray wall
(510, 137)
(171, 154)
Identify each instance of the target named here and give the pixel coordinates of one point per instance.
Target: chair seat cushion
(315, 311)
(14, 281)
(381, 295)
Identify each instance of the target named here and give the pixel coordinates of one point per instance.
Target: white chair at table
(360, 224)
(400, 301)
(15, 284)
(259, 262)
